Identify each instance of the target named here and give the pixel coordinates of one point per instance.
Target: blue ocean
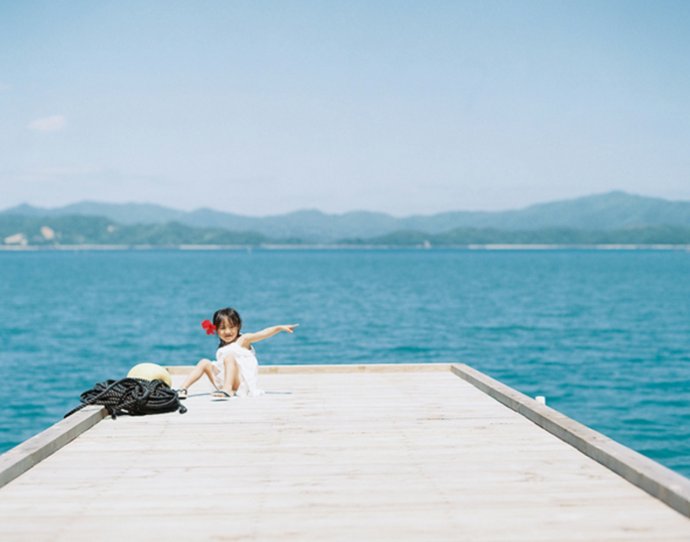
(604, 335)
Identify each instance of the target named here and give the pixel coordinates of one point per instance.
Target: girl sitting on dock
(235, 369)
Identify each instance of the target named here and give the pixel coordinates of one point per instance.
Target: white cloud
(54, 123)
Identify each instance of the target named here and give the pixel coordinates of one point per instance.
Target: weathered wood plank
(332, 455)
(21, 458)
(655, 479)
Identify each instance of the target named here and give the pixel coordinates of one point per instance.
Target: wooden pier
(394, 452)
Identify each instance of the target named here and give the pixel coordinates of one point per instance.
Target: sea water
(603, 335)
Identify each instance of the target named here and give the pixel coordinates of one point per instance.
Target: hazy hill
(124, 213)
(307, 224)
(611, 211)
(95, 230)
(47, 231)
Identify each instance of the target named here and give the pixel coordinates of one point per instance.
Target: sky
(403, 107)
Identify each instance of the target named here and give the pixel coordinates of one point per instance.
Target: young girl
(236, 368)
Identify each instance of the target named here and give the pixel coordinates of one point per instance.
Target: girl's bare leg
(204, 367)
(232, 375)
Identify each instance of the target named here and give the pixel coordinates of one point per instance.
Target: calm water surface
(605, 336)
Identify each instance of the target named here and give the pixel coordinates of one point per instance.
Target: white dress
(247, 363)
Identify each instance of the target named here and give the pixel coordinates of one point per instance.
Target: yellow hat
(150, 371)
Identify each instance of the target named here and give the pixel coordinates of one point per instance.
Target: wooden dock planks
(366, 454)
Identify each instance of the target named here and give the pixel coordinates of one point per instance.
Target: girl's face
(227, 331)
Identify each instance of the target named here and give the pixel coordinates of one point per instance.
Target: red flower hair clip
(209, 327)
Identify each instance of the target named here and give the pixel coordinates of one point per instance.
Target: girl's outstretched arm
(249, 338)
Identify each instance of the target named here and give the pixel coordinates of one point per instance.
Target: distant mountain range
(606, 218)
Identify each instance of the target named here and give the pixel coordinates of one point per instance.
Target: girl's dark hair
(228, 314)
